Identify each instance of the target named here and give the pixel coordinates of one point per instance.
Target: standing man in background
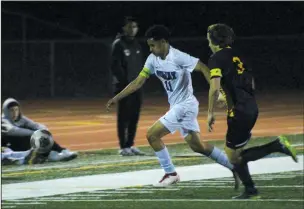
(127, 61)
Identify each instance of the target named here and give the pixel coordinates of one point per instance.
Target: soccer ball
(42, 141)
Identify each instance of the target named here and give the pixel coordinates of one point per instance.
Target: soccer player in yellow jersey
(228, 70)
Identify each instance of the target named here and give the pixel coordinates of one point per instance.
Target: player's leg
(59, 153)
(154, 136)
(134, 114)
(20, 154)
(190, 131)
(56, 147)
(281, 144)
(243, 173)
(9, 157)
(24, 154)
(16, 143)
(240, 159)
(122, 119)
(22, 143)
(194, 142)
(238, 135)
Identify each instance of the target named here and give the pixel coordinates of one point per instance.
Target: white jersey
(175, 74)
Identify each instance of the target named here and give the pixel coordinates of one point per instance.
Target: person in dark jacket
(127, 61)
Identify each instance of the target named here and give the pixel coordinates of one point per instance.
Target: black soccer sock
(259, 152)
(243, 172)
(56, 147)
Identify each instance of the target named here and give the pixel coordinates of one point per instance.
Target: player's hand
(210, 121)
(6, 126)
(221, 101)
(110, 103)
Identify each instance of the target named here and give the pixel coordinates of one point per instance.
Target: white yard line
(297, 145)
(138, 178)
(202, 183)
(163, 200)
(86, 195)
(215, 186)
(107, 193)
(31, 202)
(144, 189)
(92, 195)
(212, 182)
(77, 164)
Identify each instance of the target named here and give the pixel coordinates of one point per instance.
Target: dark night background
(61, 49)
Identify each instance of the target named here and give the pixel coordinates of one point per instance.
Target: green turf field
(283, 190)
(108, 161)
(278, 190)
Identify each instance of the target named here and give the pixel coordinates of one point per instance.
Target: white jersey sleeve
(186, 61)
(149, 64)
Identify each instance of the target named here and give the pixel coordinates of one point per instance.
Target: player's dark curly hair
(158, 32)
(221, 34)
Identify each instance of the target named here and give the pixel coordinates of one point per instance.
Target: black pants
(18, 143)
(128, 112)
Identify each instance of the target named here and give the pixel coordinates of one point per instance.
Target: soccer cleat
(136, 151)
(126, 152)
(249, 193)
(237, 180)
(287, 148)
(64, 155)
(167, 180)
(67, 155)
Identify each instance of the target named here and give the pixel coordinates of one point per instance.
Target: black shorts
(239, 129)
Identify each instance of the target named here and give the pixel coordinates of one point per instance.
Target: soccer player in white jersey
(173, 68)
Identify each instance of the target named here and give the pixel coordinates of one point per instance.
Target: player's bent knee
(196, 145)
(233, 155)
(233, 160)
(151, 135)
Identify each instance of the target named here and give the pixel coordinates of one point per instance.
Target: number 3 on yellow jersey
(240, 67)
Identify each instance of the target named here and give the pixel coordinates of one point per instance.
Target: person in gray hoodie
(17, 129)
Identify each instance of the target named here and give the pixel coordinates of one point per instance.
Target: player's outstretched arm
(201, 67)
(132, 87)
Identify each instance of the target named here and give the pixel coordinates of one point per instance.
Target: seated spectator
(17, 129)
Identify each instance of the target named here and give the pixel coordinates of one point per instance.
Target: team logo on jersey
(127, 52)
(166, 75)
(137, 52)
